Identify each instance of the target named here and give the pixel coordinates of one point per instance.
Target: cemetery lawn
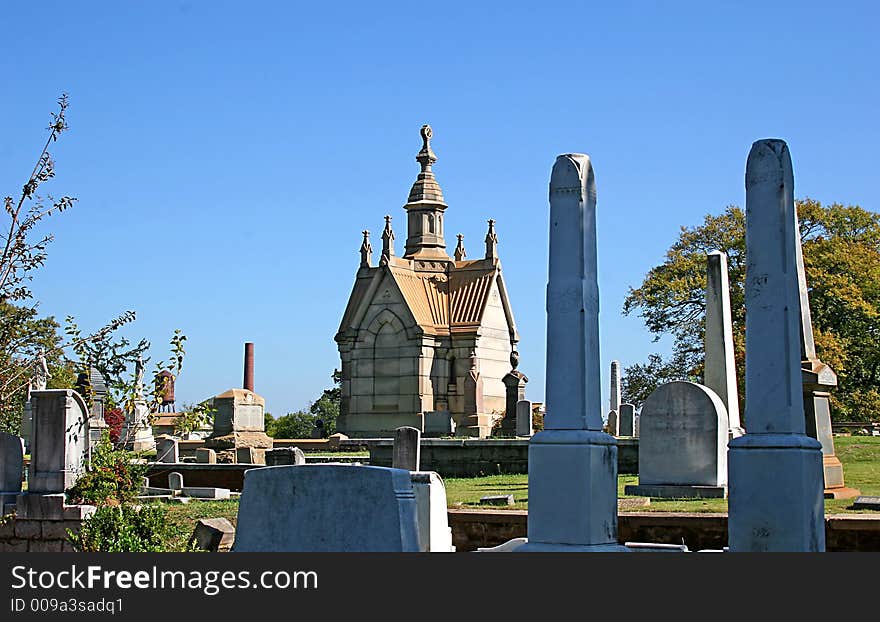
(860, 456)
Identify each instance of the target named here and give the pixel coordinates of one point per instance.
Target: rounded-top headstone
(683, 437)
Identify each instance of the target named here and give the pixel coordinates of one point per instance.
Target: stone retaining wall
(473, 529)
(477, 457)
(21, 535)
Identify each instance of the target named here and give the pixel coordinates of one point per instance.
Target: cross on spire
(491, 241)
(366, 251)
(387, 240)
(460, 253)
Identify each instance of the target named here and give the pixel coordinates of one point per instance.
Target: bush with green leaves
(112, 478)
(123, 529)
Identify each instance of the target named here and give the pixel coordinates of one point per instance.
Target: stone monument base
(834, 486)
(775, 499)
(572, 492)
(234, 440)
(669, 491)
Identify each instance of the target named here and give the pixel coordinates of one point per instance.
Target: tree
(841, 247)
(300, 424)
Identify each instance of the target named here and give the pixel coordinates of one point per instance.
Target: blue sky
(227, 155)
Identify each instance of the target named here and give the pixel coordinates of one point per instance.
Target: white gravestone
(719, 369)
(572, 463)
(776, 480)
(435, 534)
(683, 443)
(326, 508)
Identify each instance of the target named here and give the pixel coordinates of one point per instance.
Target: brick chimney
(249, 365)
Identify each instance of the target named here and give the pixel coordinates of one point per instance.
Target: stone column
(776, 501)
(818, 379)
(719, 372)
(614, 400)
(406, 453)
(572, 463)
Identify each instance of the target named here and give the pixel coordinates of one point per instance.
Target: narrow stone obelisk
(572, 463)
(719, 368)
(614, 399)
(775, 497)
(818, 379)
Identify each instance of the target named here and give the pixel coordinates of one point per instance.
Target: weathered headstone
(720, 366)
(524, 425)
(683, 443)
(213, 535)
(613, 424)
(497, 500)
(206, 456)
(407, 449)
(627, 420)
(250, 455)
(284, 456)
(327, 507)
(167, 449)
(11, 468)
(175, 481)
(59, 445)
(59, 441)
(439, 423)
(614, 399)
(572, 463)
(776, 478)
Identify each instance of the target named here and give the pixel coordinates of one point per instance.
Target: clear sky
(227, 155)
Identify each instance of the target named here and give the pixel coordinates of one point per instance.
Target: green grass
(182, 517)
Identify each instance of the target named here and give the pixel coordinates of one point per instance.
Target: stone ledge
(668, 491)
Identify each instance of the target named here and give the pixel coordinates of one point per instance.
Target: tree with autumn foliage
(841, 248)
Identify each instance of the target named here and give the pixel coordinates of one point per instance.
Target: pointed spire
(387, 241)
(425, 207)
(366, 251)
(460, 253)
(491, 241)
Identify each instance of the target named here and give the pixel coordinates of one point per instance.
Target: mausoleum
(426, 339)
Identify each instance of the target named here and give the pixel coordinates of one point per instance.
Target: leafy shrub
(114, 418)
(123, 528)
(111, 478)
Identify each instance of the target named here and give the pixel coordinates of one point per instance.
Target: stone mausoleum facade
(426, 339)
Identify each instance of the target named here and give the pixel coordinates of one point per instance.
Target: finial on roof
(366, 251)
(491, 241)
(426, 156)
(460, 253)
(387, 240)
